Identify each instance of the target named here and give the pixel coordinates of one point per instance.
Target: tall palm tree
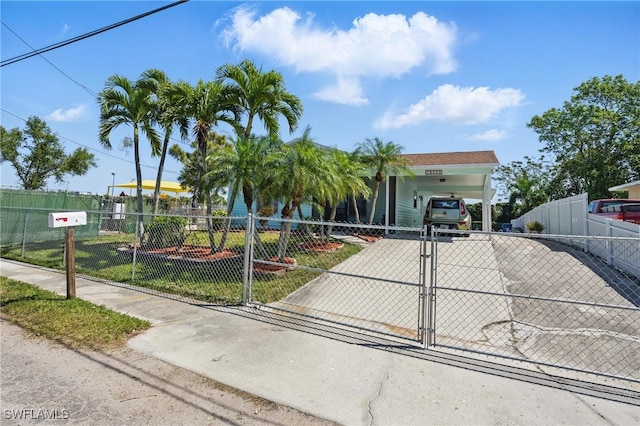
(208, 104)
(123, 102)
(296, 173)
(384, 158)
(168, 114)
(260, 94)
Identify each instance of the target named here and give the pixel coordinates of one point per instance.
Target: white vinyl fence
(569, 216)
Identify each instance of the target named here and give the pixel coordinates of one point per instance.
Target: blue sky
(429, 76)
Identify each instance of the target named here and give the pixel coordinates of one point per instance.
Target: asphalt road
(44, 382)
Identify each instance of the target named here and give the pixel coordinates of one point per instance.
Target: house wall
(406, 213)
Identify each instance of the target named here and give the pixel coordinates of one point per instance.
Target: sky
(429, 76)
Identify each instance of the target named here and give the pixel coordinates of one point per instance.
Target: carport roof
(453, 158)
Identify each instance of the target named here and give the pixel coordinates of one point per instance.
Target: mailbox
(67, 219)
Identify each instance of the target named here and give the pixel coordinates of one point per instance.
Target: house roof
(452, 158)
(626, 186)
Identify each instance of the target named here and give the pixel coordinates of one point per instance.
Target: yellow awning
(149, 184)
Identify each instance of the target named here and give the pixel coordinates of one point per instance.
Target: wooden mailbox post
(68, 220)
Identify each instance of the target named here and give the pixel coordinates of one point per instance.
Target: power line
(93, 149)
(91, 92)
(87, 35)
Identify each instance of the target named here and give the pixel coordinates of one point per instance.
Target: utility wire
(87, 35)
(93, 149)
(89, 91)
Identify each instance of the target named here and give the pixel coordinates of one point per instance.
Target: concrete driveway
(504, 295)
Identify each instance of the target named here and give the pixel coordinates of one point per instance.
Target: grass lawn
(72, 322)
(214, 282)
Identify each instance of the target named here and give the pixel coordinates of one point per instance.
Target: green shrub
(166, 231)
(535, 226)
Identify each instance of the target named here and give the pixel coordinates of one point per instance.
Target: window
(446, 204)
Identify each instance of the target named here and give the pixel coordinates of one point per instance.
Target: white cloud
(346, 91)
(489, 135)
(71, 114)
(454, 104)
(63, 30)
(377, 46)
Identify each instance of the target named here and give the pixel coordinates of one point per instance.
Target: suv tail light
(463, 208)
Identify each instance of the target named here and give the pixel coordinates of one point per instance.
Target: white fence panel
(569, 217)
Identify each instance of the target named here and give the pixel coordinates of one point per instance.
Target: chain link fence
(540, 299)
(366, 277)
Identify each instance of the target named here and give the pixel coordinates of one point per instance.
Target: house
(632, 187)
(402, 199)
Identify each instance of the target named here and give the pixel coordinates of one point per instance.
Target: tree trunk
(163, 156)
(136, 157)
(375, 200)
(210, 229)
(227, 222)
(355, 208)
(285, 234)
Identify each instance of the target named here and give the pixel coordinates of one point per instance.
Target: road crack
(387, 375)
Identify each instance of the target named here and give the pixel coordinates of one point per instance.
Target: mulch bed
(368, 238)
(188, 253)
(263, 269)
(321, 246)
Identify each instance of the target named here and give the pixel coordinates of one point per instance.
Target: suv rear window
(445, 204)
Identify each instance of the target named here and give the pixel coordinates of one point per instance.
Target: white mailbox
(66, 219)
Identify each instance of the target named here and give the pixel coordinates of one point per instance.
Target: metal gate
(530, 298)
(378, 288)
(536, 298)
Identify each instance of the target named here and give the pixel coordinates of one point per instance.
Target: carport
(461, 174)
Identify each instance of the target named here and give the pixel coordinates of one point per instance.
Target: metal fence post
(24, 231)
(608, 241)
(247, 275)
(135, 249)
(422, 321)
(431, 338)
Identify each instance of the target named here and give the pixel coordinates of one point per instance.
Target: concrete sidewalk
(340, 375)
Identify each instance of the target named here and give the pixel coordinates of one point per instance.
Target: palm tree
(123, 102)
(384, 158)
(240, 164)
(296, 173)
(191, 163)
(261, 94)
(168, 114)
(350, 184)
(207, 103)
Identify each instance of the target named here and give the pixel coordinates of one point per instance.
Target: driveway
(507, 295)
